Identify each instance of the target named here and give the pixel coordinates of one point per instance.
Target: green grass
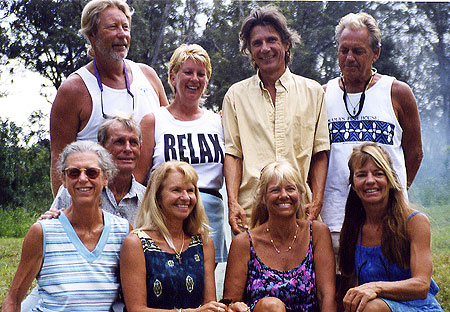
(10, 249)
(15, 222)
(441, 275)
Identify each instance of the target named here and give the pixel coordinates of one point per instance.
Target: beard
(109, 51)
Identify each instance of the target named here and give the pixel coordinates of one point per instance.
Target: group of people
(289, 153)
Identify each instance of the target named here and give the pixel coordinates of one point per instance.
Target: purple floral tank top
(296, 287)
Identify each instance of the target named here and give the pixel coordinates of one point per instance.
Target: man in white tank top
(107, 86)
(365, 106)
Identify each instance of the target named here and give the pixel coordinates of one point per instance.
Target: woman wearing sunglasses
(74, 258)
(384, 252)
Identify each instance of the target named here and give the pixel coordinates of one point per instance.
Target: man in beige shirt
(270, 116)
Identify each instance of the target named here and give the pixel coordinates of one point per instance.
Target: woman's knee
(271, 304)
(376, 305)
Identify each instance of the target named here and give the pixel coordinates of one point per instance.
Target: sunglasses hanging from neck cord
(100, 85)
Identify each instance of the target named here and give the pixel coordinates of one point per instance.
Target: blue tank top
(174, 284)
(372, 266)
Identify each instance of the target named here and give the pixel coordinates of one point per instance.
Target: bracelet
(226, 301)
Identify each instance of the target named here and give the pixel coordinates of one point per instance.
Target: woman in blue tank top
(167, 263)
(384, 254)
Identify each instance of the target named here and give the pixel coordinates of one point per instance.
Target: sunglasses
(74, 173)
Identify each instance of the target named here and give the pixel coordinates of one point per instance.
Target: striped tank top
(72, 278)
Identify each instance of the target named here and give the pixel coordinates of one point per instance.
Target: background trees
(415, 49)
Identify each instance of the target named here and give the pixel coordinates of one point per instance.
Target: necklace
(361, 99)
(100, 86)
(353, 105)
(178, 253)
(290, 246)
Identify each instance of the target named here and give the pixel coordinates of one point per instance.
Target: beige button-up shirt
(260, 132)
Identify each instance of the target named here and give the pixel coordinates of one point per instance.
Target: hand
(312, 210)
(50, 214)
(356, 298)
(236, 213)
(238, 307)
(212, 306)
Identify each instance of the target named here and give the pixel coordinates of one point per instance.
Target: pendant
(178, 256)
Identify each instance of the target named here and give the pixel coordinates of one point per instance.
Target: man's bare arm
(405, 106)
(156, 83)
(70, 113)
(233, 175)
(317, 176)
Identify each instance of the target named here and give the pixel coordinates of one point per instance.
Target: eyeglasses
(74, 173)
(100, 86)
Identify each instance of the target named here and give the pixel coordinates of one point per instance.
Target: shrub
(15, 221)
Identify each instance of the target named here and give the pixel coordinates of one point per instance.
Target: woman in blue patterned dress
(284, 263)
(384, 251)
(167, 263)
(75, 257)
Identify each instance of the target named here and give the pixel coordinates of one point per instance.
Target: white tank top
(376, 123)
(117, 101)
(198, 142)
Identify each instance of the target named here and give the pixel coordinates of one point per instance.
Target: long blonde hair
(282, 171)
(150, 215)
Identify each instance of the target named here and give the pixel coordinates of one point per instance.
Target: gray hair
(359, 21)
(90, 20)
(265, 16)
(127, 122)
(104, 157)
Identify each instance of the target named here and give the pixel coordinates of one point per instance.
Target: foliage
(15, 221)
(221, 40)
(24, 178)
(44, 35)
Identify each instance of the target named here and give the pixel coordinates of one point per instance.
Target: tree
(221, 40)
(159, 27)
(44, 33)
(24, 178)
(10, 158)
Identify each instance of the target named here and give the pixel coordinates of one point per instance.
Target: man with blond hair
(107, 86)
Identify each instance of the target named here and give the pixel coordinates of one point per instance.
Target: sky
(23, 96)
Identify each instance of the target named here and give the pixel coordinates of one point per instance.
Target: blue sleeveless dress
(372, 266)
(173, 283)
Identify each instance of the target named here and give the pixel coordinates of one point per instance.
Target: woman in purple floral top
(284, 263)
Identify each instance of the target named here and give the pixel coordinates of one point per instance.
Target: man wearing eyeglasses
(122, 138)
(108, 86)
